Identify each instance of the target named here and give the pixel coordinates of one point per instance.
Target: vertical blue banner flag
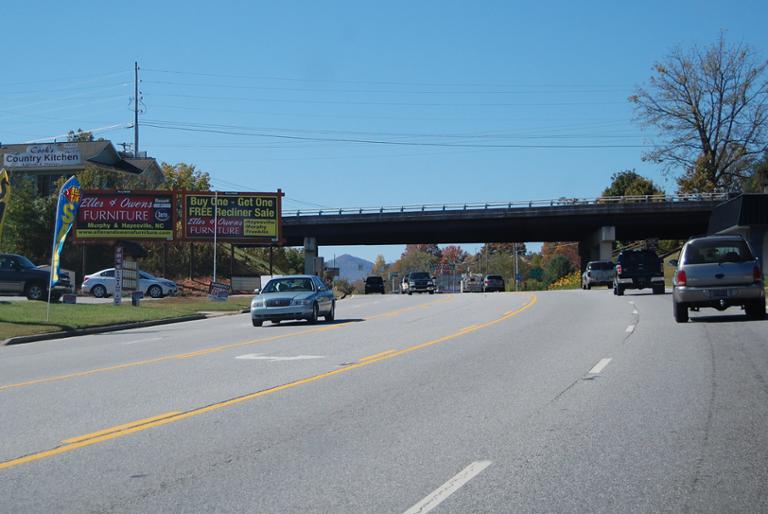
(66, 214)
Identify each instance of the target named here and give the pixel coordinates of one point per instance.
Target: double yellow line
(207, 351)
(171, 417)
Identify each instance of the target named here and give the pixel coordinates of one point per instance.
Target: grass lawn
(19, 318)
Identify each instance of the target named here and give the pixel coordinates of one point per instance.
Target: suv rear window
(374, 280)
(419, 275)
(601, 265)
(494, 277)
(704, 251)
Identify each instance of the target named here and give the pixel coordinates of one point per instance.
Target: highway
(571, 401)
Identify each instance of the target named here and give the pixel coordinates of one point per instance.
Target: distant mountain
(351, 268)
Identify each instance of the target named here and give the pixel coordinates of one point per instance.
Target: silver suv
(718, 272)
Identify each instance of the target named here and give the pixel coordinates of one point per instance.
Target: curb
(98, 330)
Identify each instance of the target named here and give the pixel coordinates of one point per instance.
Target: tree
(418, 258)
(630, 183)
(379, 266)
(185, 176)
(558, 266)
(569, 250)
(79, 136)
(710, 107)
(453, 254)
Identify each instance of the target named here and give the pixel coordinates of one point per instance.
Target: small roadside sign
(218, 292)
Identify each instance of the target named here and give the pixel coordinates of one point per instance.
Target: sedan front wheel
(155, 291)
(315, 313)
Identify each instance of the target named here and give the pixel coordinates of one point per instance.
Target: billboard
(135, 215)
(240, 217)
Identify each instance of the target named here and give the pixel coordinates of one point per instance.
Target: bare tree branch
(710, 108)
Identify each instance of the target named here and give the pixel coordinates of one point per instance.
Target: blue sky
(349, 104)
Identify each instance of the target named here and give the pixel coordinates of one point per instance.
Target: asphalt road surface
(573, 401)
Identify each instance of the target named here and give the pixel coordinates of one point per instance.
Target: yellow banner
(5, 197)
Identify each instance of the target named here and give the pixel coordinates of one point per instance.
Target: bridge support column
(598, 246)
(310, 255)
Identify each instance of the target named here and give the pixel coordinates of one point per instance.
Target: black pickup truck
(638, 269)
(18, 276)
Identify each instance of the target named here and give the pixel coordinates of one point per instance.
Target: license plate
(718, 293)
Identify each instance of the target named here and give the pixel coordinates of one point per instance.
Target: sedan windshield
(281, 285)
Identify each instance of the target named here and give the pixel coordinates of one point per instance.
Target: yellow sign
(5, 196)
(238, 217)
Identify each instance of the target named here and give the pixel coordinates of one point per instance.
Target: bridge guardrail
(562, 201)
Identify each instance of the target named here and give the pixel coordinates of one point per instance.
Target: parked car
(102, 284)
(638, 269)
(718, 272)
(19, 276)
(374, 284)
(471, 283)
(493, 283)
(598, 273)
(293, 297)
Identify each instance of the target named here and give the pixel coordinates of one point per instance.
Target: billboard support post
(215, 229)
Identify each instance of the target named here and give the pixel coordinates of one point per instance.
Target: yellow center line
(120, 428)
(130, 428)
(375, 355)
(198, 353)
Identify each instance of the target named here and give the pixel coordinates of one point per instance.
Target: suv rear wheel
(756, 310)
(680, 312)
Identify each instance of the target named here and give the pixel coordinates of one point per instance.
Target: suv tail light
(618, 269)
(757, 274)
(681, 278)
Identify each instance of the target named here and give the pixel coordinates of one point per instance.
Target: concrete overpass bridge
(594, 222)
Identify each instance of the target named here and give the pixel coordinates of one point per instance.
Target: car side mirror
(257, 291)
(673, 263)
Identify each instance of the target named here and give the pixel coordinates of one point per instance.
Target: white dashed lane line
(600, 366)
(437, 496)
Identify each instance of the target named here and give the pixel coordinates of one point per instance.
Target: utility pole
(514, 248)
(136, 109)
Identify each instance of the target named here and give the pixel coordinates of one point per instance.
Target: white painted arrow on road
(262, 357)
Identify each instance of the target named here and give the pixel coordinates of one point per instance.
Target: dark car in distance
(493, 283)
(638, 269)
(374, 284)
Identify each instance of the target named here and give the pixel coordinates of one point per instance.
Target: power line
(389, 83)
(379, 91)
(92, 131)
(384, 142)
(474, 135)
(400, 104)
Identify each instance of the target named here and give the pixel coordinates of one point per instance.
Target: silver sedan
(293, 297)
